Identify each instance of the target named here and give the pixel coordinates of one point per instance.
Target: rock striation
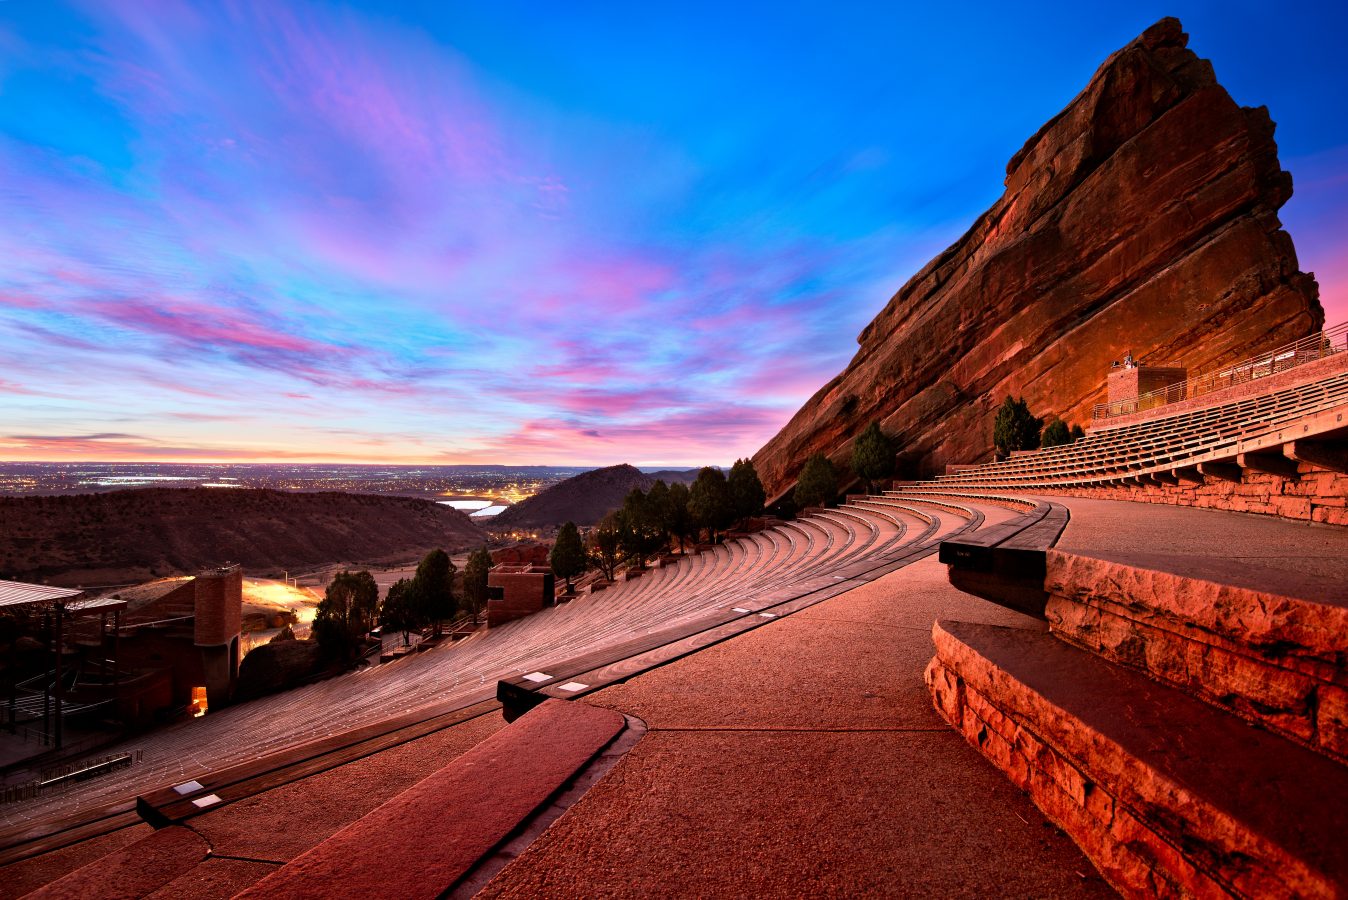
(1142, 218)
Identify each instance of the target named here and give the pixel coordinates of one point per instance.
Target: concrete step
(425, 840)
(1263, 643)
(1166, 794)
(136, 870)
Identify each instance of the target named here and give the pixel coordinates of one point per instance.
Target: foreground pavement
(805, 758)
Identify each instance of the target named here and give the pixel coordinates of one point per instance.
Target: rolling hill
(134, 535)
(583, 499)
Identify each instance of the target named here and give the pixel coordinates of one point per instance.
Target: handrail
(1289, 356)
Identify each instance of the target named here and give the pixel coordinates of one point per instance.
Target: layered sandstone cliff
(1142, 217)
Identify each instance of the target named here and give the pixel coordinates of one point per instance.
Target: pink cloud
(199, 324)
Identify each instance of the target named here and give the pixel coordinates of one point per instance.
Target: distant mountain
(133, 535)
(583, 499)
(669, 476)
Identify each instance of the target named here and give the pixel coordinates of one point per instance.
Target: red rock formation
(1142, 217)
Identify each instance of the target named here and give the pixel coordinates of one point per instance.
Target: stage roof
(17, 593)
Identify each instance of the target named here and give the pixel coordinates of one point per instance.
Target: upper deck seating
(1160, 446)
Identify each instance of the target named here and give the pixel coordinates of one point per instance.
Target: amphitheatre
(1118, 664)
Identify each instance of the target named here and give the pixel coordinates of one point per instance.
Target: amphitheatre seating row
(860, 540)
(741, 584)
(1129, 768)
(1152, 668)
(868, 538)
(1171, 445)
(863, 538)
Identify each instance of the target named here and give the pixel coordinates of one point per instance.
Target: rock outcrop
(1141, 218)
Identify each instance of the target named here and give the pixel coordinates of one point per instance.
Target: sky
(529, 233)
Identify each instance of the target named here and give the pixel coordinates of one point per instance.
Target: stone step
(1268, 645)
(1166, 794)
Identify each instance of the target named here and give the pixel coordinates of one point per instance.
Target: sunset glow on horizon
(312, 232)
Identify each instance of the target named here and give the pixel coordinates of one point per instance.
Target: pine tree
(475, 581)
(568, 558)
(746, 490)
(402, 608)
(435, 588)
(657, 500)
(1015, 428)
(346, 613)
(678, 521)
(606, 545)
(818, 482)
(873, 456)
(709, 501)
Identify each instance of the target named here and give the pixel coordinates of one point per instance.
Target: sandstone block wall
(1143, 217)
(1315, 495)
(1125, 850)
(1273, 660)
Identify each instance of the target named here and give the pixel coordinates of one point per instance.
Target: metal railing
(66, 775)
(1289, 356)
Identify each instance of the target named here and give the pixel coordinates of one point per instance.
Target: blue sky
(524, 233)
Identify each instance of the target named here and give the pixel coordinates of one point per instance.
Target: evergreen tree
(606, 545)
(746, 490)
(641, 531)
(1015, 428)
(678, 521)
(1077, 433)
(873, 456)
(475, 581)
(1055, 434)
(657, 499)
(818, 482)
(709, 502)
(435, 588)
(402, 608)
(346, 612)
(568, 558)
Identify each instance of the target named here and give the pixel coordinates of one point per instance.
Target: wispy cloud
(304, 230)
